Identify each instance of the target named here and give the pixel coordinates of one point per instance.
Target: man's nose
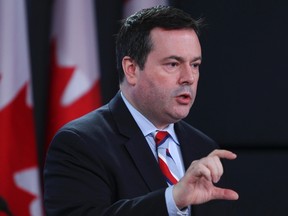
(188, 75)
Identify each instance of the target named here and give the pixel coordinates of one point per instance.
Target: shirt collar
(145, 125)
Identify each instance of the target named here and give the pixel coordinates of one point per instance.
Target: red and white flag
(19, 174)
(75, 78)
(132, 6)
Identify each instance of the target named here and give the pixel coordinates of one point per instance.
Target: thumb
(224, 194)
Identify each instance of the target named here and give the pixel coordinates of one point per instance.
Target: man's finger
(221, 153)
(225, 194)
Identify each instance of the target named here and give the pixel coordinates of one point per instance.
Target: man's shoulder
(183, 125)
(89, 122)
(188, 130)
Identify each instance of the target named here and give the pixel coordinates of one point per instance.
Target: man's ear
(129, 67)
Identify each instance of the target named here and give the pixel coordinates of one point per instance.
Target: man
(106, 162)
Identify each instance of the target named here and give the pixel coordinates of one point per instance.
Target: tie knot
(161, 137)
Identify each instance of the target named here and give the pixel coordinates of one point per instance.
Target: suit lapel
(145, 162)
(137, 145)
(190, 144)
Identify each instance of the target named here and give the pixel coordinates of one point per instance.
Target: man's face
(165, 89)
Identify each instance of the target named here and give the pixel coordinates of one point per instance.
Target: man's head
(159, 53)
(134, 38)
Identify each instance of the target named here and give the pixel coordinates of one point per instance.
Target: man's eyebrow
(178, 58)
(197, 59)
(181, 59)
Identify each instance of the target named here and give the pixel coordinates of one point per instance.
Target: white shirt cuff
(173, 210)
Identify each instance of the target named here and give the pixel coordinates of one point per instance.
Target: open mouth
(184, 99)
(185, 96)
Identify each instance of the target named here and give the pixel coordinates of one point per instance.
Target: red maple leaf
(59, 114)
(18, 151)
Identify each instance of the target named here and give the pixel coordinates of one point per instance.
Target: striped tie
(165, 160)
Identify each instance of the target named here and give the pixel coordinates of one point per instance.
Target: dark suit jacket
(101, 164)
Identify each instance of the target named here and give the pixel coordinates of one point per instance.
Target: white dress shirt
(149, 130)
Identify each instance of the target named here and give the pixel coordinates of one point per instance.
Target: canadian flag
(132, 6)
(75, 78)
(19, 176)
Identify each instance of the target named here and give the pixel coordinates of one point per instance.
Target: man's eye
(173, 64)
(196, 65)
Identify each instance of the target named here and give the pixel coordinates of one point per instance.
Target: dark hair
(134, 40)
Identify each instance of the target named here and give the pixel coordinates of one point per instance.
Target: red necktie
(165, 160)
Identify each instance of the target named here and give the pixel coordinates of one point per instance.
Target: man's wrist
(171, 205)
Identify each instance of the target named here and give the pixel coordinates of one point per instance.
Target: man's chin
(179, 116)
